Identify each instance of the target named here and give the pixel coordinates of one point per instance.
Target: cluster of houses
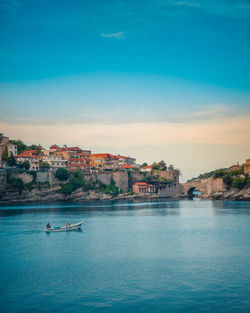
(72, 158)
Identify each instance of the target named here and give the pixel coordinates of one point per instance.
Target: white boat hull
(64, 228)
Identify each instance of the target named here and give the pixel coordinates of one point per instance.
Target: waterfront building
(141, 187)
(32, 156)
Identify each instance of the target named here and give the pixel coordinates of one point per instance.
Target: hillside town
(75, 173)
(140, 178)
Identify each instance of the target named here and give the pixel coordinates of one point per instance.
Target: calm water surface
(131, 256)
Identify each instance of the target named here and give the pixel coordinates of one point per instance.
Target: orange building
(104, 161)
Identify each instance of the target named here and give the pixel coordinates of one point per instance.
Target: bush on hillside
(62, 174)
(239, 182)
(227, 179)
(16, 183)
(67, 189)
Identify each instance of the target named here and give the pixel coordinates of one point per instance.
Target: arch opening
(193, 192)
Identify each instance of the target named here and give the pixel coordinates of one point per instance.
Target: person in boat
(48, 225)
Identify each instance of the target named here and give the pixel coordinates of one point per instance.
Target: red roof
(127, 166)
(104, 155)
(149, 166)
(141, 184)
(28, 154)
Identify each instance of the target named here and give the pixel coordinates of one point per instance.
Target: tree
(67, 189)
(62, 174)
(5, 155)
(44, 166)
(227, 179)
(25, 165)
(162, 165)
(219, 173)
(238, 182)
(12, 160)
(34, 147)
(171, 167)
(20, 145)
(238, 172)
(155, 166)
(144, 164)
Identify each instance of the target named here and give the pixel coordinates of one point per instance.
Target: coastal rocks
(80, 195)
(233, 194)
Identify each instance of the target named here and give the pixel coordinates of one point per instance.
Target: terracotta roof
(127, 166)
(149, 166)
(104, 155)
(28, 154)
(141, 184)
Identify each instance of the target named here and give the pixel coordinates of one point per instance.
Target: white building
(55, 161)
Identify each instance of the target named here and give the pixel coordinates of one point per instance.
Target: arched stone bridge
(205, 186)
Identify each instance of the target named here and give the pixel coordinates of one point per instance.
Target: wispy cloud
(119, 35)
(234, 9)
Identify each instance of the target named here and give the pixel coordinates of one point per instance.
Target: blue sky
(127, 63)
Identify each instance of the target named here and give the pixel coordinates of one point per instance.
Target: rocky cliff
(233, 194)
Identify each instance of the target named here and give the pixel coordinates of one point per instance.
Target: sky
(153, 79)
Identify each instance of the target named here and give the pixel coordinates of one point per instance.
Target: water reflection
(93, 207)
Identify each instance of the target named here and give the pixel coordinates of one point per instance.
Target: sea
(130, 256)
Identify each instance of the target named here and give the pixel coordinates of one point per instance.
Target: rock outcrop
(233, 194)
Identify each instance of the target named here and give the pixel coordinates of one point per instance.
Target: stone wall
(135, 177)
(3, 178)
(25, 177)
(171, 191)
(105, 178)
(121, 180)
(45, 177)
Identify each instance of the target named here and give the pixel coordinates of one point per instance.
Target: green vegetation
(12, 160)
(15, 183)
(67, 189)
(144, 164)
(20, 145)
(77, 181)
(219, 173)
(227, 179)
(239, 182)
(5, 154)
(159, 166)
(25, 165)
(62, 174)
(205, 175)
(109, 189)
(232, 179)
(44, 166)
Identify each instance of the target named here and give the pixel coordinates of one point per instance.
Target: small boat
(68, 227)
